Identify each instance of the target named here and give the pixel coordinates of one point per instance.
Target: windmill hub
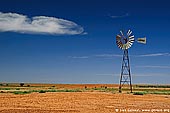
(124, 42)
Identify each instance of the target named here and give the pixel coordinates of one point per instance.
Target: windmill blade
(130, 43)
(118, 37)
(132, 40)
(142, 40)
(121, 33)
(128, 46)
(128, 32)
(131, 37)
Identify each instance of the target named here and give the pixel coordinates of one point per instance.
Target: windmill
(124, 41)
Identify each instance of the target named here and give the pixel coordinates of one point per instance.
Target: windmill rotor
(125, 40)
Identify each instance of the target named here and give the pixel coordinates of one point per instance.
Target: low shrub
(160, 93)
(69, 90)
(139, 93)
(53, 90)
(6, 88)
(42, 91)
(22, 92)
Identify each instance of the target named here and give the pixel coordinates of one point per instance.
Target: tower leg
(125, 76)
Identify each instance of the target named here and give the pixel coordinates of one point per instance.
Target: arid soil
(83, 102)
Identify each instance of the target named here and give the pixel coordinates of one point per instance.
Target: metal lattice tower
(125, 76)
(124, 42)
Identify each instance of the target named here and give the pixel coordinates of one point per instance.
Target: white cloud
(39, 24)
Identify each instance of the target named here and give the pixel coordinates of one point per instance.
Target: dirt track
(82, 102)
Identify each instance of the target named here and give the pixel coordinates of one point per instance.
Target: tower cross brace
(125, 76)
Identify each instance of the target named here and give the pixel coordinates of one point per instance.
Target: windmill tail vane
(142, 40)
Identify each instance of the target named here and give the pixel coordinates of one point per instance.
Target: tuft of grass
(5, 88)
(52, 90)
(69, 90)
(160, 93)
(105, 89)
(153, 86)
(72, 90)
(17, 88)
(139, 93)
(22, 92)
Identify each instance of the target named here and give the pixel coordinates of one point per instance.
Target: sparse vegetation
(137, 89)
(17, 88)
(160, 92)
(42, 91)
(69, 90)
(5, 88)
(22, 92)
(53, 90)
(153, 92)
(139, 93)
(153, 86)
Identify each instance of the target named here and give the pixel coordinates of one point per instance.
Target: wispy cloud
(144, 55)
(150, 74)
(38, 24)
(137, 74)
(120, 16)
(163, 67)
(105, 74)
(154, 55)
(79, 57)
(108, 55)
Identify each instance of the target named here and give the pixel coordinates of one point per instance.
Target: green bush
(42, 91)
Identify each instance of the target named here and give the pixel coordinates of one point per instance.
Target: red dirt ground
(83, 102)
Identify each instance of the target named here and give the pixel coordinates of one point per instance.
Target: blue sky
(73, 41)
